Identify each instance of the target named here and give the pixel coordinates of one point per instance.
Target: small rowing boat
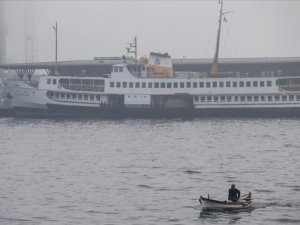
(208, 203)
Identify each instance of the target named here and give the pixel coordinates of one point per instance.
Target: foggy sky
(181, 28)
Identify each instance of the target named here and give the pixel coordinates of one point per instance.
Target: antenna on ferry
(55, 30)
(214, 66)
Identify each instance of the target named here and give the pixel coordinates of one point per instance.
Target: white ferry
(150, 88)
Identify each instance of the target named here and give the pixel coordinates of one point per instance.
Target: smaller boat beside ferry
(211, 204)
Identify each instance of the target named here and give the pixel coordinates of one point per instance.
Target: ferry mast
(132, 48)
(214, 66)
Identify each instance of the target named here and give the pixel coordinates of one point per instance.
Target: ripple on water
(285, 221)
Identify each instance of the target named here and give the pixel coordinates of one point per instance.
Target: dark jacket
(233, 194)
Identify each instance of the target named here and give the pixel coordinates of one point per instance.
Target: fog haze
(181, 28)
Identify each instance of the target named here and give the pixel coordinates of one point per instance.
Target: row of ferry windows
(73, 96)
(262, 98)
(215, 84)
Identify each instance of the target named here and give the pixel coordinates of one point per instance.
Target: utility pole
(29, 31)
(2, 33)
(55, 30)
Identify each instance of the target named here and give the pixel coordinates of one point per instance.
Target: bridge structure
(99, 66)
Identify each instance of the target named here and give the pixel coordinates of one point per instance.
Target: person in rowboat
(233, 194)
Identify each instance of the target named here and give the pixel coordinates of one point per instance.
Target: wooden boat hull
(210, 204)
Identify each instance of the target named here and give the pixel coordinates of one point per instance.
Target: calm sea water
(147, 171)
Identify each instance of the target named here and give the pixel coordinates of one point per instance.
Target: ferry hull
(9, 112)
(53, 110)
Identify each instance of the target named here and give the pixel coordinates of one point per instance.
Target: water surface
(147, 171)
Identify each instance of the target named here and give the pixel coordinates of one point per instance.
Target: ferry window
(98, 97)
(163, 85)
(222, 98)
(221, 84)
(68, 96)
(149, 85)
(115, 69)
(243, 98)
(86, 82)
(62, 95)
(54, 81)
(130, 84)
(207, 84)
(156, 85)
(175, 85)
(124, 84)
(269, 83)
(262, 98)
(144, 85)
(92, 97)
(48, 81)
(196, 98)
(216, 98)
(256, 98)
(98, 82)
(234, 84)
(63, 81)
(188, 84)
(181, 85)
(242, 84)
(73, 96)
(201, 84)
(194, 84)
(228, 84)
(75, 81)
(298, 97)
(284, 98)
(270, 98)
(291, 97)
(85, 97)
(215, 84)
(112, 84)
(228, 98)
(277, 98)
(202, 99)
(236, 98)
(169, 85)
(209, 98)
(248, 84)
(249, 98)
(255, 84)
(137, 84)
(56, 95)
(121, 69)
(262, 84)
(118, 84)
(49, 94)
